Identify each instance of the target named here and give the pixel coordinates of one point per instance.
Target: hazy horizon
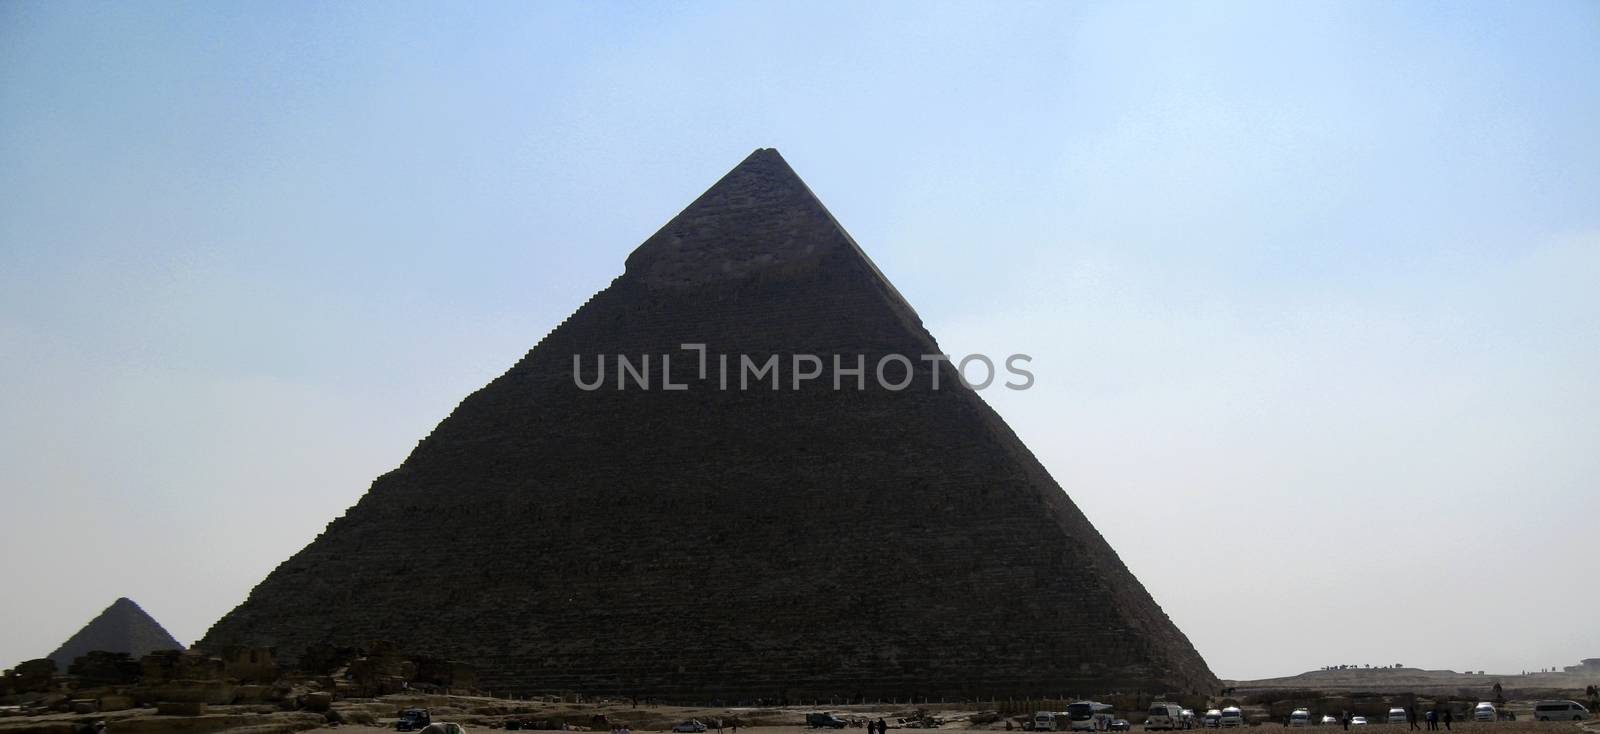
(1309, 288)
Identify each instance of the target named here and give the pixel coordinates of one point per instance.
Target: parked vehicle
(1300, 717)
(1397, 716)
(1358, 721)
(819, 720)
(1560, 711)
(1212, 719)
(1086, 716)
(1232, 716)
(413, 720)
(693, 726)
(1044, 721)
(1484, 711)
(1329, 719)
(1121, 725)
(1165, 716)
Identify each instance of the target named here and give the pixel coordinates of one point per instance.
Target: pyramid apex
(759, 217)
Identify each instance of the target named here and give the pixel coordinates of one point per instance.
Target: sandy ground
(1497, 727)
(483, 715)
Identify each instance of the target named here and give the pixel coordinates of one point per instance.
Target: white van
(1484, 711)
(1232, 716)
(1212, 719)
(1044, 721)
(1560, 711)
(1300, 717)
(1165, 716)
(1397, 716)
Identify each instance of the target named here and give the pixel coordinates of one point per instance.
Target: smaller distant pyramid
(122, 627)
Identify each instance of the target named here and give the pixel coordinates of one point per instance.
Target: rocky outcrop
(725, 543)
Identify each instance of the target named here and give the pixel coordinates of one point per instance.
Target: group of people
(1433, 717)
(878, 727)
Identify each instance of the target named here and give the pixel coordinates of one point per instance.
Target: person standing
(1433, 719)
(1411, 717)
(1448, 716)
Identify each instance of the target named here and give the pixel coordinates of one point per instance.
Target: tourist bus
(1089, 716)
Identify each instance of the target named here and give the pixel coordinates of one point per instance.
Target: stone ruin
(99, 669)
(185, 682)
(30, 676)
(705, 543)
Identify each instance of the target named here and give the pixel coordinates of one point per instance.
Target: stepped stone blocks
(122, 627)
(730, 544)
(99, 669)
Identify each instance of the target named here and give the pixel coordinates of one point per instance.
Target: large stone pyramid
(735, 544)
(122, 627)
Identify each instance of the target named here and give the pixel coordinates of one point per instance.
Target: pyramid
(734, 544)
(122, 627)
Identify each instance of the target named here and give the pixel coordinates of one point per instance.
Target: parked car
(1300, 717)
(1484, 711)
(1358, 721)
(693, 726)
(820, 720)
(1190, 721)
(1329, 719)
(1212, 719)
(1560, 711)
(1121, 725)
(1232, 716)
(1397, 716)
(413, 720)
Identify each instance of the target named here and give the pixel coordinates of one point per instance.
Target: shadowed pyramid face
(727, 543)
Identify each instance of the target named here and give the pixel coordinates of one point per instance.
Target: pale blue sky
(1311, 287)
